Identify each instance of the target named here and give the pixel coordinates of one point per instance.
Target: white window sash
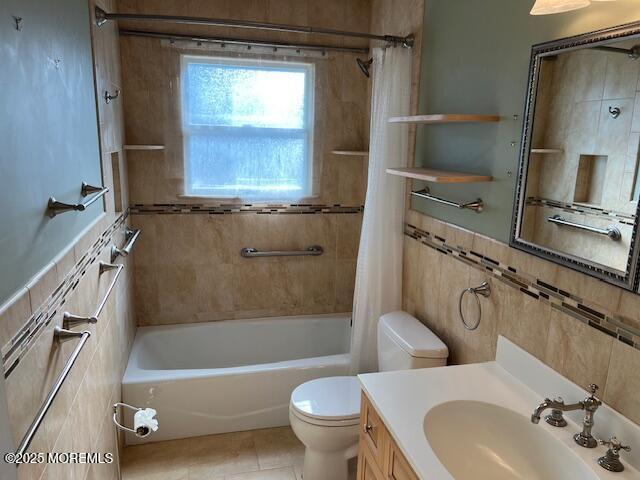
(305, 133)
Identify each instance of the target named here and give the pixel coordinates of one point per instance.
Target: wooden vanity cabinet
(379, 458)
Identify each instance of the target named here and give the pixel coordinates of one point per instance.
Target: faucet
(557, 406)
(611, 460)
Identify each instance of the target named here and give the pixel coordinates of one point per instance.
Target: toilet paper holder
(140, 432)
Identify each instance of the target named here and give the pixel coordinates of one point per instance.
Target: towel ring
(485, 290)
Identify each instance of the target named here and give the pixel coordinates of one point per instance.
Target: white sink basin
(481, 441)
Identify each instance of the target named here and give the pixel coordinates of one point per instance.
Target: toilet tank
(404, 343)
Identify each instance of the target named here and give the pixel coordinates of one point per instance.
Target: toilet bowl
(325, 413)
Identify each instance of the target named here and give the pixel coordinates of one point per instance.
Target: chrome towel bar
(61, 335)
(476, 205)
(314, 250)
(611, 231)
(69, 320)
(130, 236)
(54, 207)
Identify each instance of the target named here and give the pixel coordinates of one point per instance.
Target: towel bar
(69, 320)
(130, 238)
(61, 335)
(54, 207)
(476, 205)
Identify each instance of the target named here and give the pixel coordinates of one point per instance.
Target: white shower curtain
(378, 288)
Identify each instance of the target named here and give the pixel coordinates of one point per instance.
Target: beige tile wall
(433, 282)
(80, 417)
(189, 268)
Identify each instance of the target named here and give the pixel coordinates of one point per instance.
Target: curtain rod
(238, 41)
(102, 17)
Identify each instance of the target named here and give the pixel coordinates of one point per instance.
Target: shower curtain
(378, 287)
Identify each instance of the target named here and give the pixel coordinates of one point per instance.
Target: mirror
(578, 185)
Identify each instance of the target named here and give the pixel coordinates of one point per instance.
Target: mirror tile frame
(630, 278)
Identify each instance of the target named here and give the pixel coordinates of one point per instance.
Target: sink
(481, 441)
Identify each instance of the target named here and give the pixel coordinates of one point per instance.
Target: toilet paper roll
(144, 423)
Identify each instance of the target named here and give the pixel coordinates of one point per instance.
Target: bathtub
(231, 375)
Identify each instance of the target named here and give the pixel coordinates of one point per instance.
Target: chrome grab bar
(611, 231)
(314, 250)
(130, 236)
(54, 207)
(476, 205)
(69, 320)
(61, 335)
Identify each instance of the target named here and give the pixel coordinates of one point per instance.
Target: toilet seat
(330, 401)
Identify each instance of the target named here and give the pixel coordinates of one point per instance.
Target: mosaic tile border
(602, 320)
(256, 208)
(19, 345)
(575, 208)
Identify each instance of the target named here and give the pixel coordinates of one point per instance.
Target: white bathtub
(233, 375)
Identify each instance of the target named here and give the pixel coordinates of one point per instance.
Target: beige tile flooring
(269, 454)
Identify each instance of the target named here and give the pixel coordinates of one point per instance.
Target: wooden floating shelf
(438, 176)
(445, 118)
(144, 147)
(351, 153)
(547, 151)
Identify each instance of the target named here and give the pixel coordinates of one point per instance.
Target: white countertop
(403, 398)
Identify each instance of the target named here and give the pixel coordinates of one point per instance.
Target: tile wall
(181, 277)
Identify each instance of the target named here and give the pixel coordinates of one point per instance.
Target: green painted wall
(48, 132)
(475, 59)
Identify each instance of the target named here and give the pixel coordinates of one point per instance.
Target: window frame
(306, 132)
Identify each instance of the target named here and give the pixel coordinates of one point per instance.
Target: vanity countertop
(403, 398)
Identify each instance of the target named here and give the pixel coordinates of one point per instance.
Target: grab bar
(54, 207)
(130, 236)
(69, 320)
(61, 335)
(249, 252)
(611, 231)
(476, 205)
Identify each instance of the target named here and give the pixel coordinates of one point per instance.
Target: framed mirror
(578, 182)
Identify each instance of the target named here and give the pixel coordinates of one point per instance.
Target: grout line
(27, 335)
(568, 303)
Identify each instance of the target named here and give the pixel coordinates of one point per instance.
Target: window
(247, 127)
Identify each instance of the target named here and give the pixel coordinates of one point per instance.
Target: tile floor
(269, 454)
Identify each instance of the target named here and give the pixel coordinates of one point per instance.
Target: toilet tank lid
(412, 336)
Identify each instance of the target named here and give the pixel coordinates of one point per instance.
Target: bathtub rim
(134, 375)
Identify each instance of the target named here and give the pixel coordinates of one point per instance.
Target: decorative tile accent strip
(577, 208)
(19, 345)
(594, 316)
(258, 208)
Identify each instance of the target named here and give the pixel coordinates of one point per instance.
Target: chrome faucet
(589, 405)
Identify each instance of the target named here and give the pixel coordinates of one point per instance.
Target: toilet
(325, 413)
